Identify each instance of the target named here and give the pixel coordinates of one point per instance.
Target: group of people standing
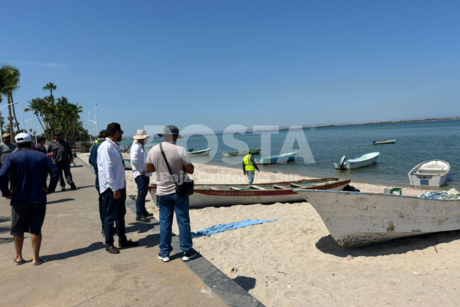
(108, 163)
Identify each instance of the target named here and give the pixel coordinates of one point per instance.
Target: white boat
(284, 158)
(358, 219)
(203, 152)
(361, 161)
(384, 142)
(127, 163)
(431, 173)
(207, 195)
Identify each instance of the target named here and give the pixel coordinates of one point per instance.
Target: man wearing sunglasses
(6, 149)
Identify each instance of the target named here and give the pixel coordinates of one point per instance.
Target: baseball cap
(5, 135)
(23, 138)
(171, 130)
(102, 134)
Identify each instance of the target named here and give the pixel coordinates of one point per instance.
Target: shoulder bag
(183, 189)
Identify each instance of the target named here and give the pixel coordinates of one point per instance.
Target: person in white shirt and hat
(141, 177)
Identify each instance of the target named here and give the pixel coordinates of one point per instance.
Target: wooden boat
(203, 152)
(361, 161)
(241, 153)
(207, 195)
(384, 142)
(431, 173)
(284, 158)
(358, 219)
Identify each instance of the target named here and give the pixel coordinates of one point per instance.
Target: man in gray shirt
(6, 149)
(168, 200)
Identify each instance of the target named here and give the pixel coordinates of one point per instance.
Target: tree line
(53, 114)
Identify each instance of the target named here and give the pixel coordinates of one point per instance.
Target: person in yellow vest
(249, 167)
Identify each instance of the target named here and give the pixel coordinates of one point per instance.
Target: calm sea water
(415, 143)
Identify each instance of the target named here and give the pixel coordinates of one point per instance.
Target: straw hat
(141, 134)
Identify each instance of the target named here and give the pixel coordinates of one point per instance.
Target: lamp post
(89, 127)
(95, 118)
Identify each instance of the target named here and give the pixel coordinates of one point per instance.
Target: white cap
(23, 138)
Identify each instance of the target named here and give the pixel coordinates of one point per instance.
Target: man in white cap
(29, 169)
(168, 200)
(141, 177)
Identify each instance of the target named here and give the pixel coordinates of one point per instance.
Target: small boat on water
(431, 173)
(361, 161)
(202, 152)
(190, 149)
(207, 195)
(284, 158)
(384, 142)
(358, 219)
(241, 153)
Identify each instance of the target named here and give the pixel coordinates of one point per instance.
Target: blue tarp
(224, 227)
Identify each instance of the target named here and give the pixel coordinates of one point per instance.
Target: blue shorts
(27, 218)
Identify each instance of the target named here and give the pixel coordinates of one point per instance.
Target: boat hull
(357, 164)
(277, 159)
(211, 198)
(359, 219)
(384, 142)
(204, 152)
(428, 178)
(256, 151)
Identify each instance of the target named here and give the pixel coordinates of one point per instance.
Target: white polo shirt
(111, 170)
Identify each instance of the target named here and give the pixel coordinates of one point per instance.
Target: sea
(319, 148)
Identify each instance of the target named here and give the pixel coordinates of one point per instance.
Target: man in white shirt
(168, 201)
(112, 186)
(141, 177)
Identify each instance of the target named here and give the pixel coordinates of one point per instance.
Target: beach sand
(295, 262)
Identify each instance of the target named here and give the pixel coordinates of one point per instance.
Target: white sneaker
(164, 259)
(188, 256)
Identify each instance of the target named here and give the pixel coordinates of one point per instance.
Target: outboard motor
(342, 162)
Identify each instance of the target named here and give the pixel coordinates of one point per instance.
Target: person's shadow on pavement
(75, 253)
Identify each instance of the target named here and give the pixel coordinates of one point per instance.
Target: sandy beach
(295, 262)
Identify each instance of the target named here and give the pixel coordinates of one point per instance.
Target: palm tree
(9, 82)
(50, 86)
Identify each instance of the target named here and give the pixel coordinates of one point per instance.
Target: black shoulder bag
(183, 189)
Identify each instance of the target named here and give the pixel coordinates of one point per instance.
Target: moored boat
(358, 219)
(127, 163)
(361, 161)
(202, 152)
(431, 173)
(241, 153)
(284, 158)
(190, 149)
(206, 195)
(384, 142)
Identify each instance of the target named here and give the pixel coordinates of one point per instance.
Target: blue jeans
(168, 204)
(142, 190)
(101, 203)
(250, 176)
(114, 210)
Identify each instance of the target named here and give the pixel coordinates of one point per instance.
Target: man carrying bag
(172, 164)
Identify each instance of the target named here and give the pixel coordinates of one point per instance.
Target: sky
(222, 63)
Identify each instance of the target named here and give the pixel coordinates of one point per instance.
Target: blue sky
(219, 63)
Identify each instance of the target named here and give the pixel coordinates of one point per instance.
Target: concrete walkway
(78, 270)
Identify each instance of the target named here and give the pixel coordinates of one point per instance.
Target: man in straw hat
(6, 149)
(141, 177)
(168, 200)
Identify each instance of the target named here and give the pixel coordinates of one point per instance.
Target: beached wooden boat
(241, 153)
(206, 195)
(284, 158)
(361, 161)
(431, 173)
(203, 152)
(384, 142)
(358, 219)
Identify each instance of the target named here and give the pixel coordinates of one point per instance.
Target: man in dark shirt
(93, 161)
(62, 157)
(29, 169)
(41, 145)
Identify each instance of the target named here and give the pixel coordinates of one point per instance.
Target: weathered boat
(431, 173)
(284, 158)
(202, 152)
(361, 161)
(241, 153)
(384, 142)
(358, 219)
(206, 195)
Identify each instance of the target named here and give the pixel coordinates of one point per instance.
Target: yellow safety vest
(248, 164)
